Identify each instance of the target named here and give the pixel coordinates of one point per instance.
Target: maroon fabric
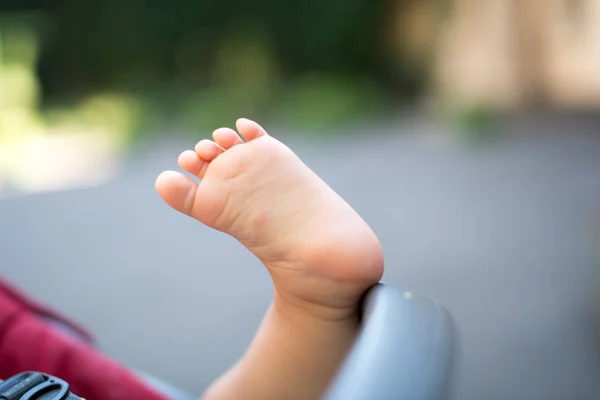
(29, 343)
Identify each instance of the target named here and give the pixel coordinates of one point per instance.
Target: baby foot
(321, 255)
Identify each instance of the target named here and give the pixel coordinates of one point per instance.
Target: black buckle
(34, 385)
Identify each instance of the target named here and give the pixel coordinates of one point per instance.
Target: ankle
(302, 311)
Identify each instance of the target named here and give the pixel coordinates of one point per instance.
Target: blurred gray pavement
(504, 234)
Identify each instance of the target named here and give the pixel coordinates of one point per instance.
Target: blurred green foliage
(475, 123)
(206, 62)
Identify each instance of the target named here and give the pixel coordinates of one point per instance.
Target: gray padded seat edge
(404, 350)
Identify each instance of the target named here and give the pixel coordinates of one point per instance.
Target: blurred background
(464, 131)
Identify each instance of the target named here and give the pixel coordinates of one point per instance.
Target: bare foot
(321, 255)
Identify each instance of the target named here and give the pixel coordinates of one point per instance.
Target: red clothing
(30, 343)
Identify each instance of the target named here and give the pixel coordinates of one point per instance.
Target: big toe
(249, 129)
(177, 190)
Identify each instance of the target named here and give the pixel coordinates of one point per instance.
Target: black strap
(35, 386)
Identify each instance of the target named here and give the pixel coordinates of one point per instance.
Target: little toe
(226, 138)
(249, 129)
(177, 190)
(190, 162)
(208, 150)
